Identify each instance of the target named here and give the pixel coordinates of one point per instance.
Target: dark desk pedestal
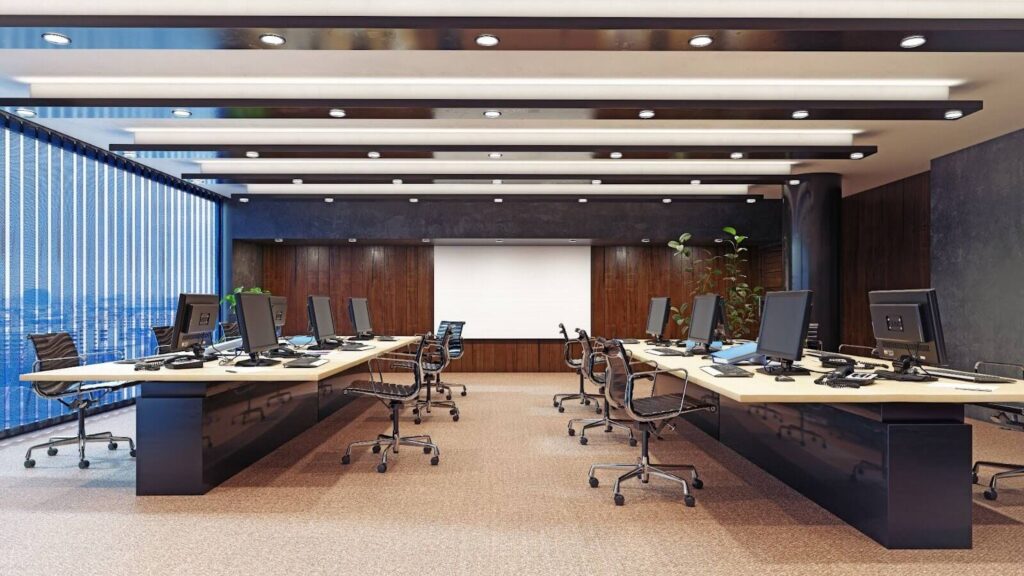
(899, 473)
(194, 435)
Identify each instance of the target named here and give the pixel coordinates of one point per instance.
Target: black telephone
(845, 377)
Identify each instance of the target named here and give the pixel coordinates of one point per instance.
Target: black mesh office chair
(455, 352)
(1008, 416)
(433, 364)
(647, 412)
(576, 364)
(813, 340)
(57, 350)
(229, 330)
(594, 368)
(164, 338)
(394, 395)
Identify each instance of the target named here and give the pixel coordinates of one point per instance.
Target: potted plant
(231, 300)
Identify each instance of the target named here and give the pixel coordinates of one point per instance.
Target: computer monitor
(320, 319)
(279, 308)
(906, 325)
(359, 314)
(657, 317)
(784, 329)
(705, 318)
(194, 321)
(256, 324)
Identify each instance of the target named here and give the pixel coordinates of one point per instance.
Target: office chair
(433, 364)
(647, 412)
(164, 338)
(57, 350)
(812, 340)
(1008, 417)
(577, 366)
(455, 352)
(594, 367)
(229, 330)
(394, 395)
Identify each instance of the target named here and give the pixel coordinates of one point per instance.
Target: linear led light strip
(398, 167)
(485, 187)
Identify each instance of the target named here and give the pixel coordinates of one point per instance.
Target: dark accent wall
(885, 246)
(977, 223)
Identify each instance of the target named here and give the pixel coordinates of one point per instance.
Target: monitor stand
(785, 368)
(255, 360)
(658, 341)
(366, 336)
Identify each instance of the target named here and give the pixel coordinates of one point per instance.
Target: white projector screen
(513, 291)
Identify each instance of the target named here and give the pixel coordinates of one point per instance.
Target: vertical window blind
(90, 247)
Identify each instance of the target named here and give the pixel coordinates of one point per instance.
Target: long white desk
(196, 428)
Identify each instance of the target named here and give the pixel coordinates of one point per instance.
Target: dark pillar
(811, 229)
(226, 254)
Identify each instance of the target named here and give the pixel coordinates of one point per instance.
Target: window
(93, 249)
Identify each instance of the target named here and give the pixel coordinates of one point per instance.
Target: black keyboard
(726, 371)
(306, 362)
(890, 375)
(630, 341)
(667, 351)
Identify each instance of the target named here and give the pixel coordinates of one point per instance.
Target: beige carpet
(510, 497)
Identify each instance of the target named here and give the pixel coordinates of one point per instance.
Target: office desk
(197, 428)
(892, 459)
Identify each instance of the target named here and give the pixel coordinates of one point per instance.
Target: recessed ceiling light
(56, 38)
(499, 241)
(695, 182)
(915, 41)
(129, 154)
(425, 240)
(856, 155)
(336, 113)
(278, 240)
(495, 181)
(800, 114)
(25, 112)
(487, 40)
(701, 41)
(328, 200)
(572, 241)
(646, 114)
(615, 155)
(645, 240)
(582, 200)
(396, 181)
(181, 113)
(492, 114)
(498, 200)
(252, 154)
(352, 240)
(953, 114)
(494, 155)
(296, 180)
(794, 182)
(414, 200)
(666, 200)
(243, 200)
(736, 155)
(272, 39)
(595, 182)
(373, 154)
(718, 240)
(751, 200)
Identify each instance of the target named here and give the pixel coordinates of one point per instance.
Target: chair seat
(657, 405)
(382, 389)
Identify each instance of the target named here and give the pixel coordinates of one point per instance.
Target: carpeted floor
(509, 497)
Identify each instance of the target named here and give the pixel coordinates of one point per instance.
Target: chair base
(80, 441)
(644, 471)
(585, 398)
(1009, 471)
(421, 406)
(385, 443)
(447, 389)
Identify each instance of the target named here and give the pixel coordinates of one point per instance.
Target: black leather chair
(455, 351)
(433, 364)
(229, 330)
(1009, 416)
(594, 368)
(576, 363)
(164, 339)
(647, 412)
(395, 396)
(57, 350)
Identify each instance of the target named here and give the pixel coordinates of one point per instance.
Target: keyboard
(726, 371)
(306, 363)
(630, 341)
(890, 375)
(666, 351)
(967, 376)
(153, 358)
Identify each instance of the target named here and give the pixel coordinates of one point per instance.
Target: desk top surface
(764, 388)
(337, 361)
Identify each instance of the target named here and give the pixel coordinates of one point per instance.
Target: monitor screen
(320, 318)
(704, 318)
(192, 324)
(359, 314)
(907, 322)
(784, 324)
(657, 316)
(256, 322)
(279, 307)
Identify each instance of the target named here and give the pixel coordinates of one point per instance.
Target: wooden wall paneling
(247, 264)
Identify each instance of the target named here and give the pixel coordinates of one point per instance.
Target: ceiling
(576, 99)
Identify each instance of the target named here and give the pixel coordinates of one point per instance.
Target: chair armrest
(82, 358)
(653, 376)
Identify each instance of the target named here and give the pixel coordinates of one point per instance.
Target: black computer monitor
(359, 314)
(321, 320)
(784, 329)
(194, 321)
(256, 324)
(657, 317)
(906, 325)
(705, 318)
(279, 308)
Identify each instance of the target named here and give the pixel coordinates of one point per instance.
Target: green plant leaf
(729, 230)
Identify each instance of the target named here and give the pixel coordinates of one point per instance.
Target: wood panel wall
(885, 246)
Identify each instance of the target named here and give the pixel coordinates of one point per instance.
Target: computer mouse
(782, 378)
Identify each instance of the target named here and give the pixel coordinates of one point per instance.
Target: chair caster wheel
(572, 432)
(30, 463)
(593, 482)
(690, 501)
(455, 418)
(619, 500)
(434, 461)
(426, 449)
(607, 429)
(382, 467)
(583, 440)
(51, 452)
(587, 401)
(83, 464)
(112, 446)
(598, 410)
(697, 483)
(375, 449)
(453, 412)
(991, 494)
(554, 404)
(974, 477)
(561, 408)
(346, 459)
(463, 393)
(447, 396)
(415, 410)
(417, 421)
(132, 453)
(632, 441)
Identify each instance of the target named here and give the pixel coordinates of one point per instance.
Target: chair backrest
(438, 357)
(454, 328)
(164, 338)
(54, 351)
(617, 372)
(812, 340)
(591, 358)
(230, 330)
(574, 363)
